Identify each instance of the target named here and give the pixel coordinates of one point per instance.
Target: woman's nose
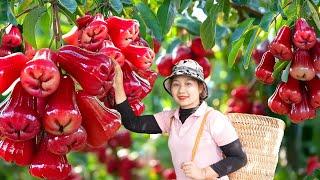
(181, 89)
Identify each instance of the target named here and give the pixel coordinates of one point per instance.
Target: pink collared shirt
(218, 131)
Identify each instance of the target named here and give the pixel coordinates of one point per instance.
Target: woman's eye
(175, 84)
(189, 83)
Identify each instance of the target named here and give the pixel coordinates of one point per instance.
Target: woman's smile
(181, 98)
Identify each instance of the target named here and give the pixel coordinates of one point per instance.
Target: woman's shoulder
(216, 115)
(165, 113)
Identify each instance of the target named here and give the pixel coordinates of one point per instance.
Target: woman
(218, 150)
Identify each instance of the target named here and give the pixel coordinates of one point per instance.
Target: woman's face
(186, 91)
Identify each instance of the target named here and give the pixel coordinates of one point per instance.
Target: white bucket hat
(187, 67)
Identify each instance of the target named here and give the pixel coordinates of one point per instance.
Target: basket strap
(200, 131)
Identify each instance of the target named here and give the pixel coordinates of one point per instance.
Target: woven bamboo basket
(261, 138)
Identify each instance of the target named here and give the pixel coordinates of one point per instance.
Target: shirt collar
(200, 111)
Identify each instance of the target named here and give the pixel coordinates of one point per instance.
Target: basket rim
(280, 122)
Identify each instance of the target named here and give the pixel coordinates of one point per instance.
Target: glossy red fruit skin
(198, 49)
(312, 164)
(20, 153)
(303, 110)
(259, 51)
(48, 165)
(239, 105)
(121, 139)
(62, 115)
(12, 37)
(63, 144)
(169, 174)
(112, 164)
(72, 37)
(132, 85)
(5, 51)
(41, 106)
(139, 41)
(280, 47)
(29, 51)
(258, 108)
(165, 65)
(19, 120)
(100, 122)
(241, 92)
(314, 92)
(94, 34)
(315, 56)
(264, 69)
(304, 36)
(10, 67)
(148, 75)
(302, 66)
(122, 31)
(112, 52)
(40, 77)
(83, 21)
(205, 64)
(126, 166)
(290, 92)
(139, 56)
(156, 45)
(93, 71)
(137, 106)
(181, 52)
(275, 103)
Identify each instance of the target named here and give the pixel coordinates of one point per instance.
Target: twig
(26, 11)
(247, 9)
(252, 83)
(56, 24)
(275, 17)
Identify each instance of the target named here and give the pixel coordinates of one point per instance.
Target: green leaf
(184, 4)
(191, 25)
(209, 5)
(235, 48)
(143, 28)
(71, 16)
(166, 14)
(242, 29)
(150, 20)
(207, 32)
(172, 45)
(43, 31)
(250, 47)
(11, 17)
(241, 2)
(316, 173)
(221, 33)
(70, 5)
(266, 20)
(6, 15)
(128, 2)
(208, 28)
(225, 6)
(4, 7)
(285, 73)
(315, 14)
(29, 25)
(278, 67)
(116, 5)
(81, 2)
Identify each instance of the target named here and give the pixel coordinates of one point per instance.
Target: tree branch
(247, 9)
(56, 24)
(26, 11)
